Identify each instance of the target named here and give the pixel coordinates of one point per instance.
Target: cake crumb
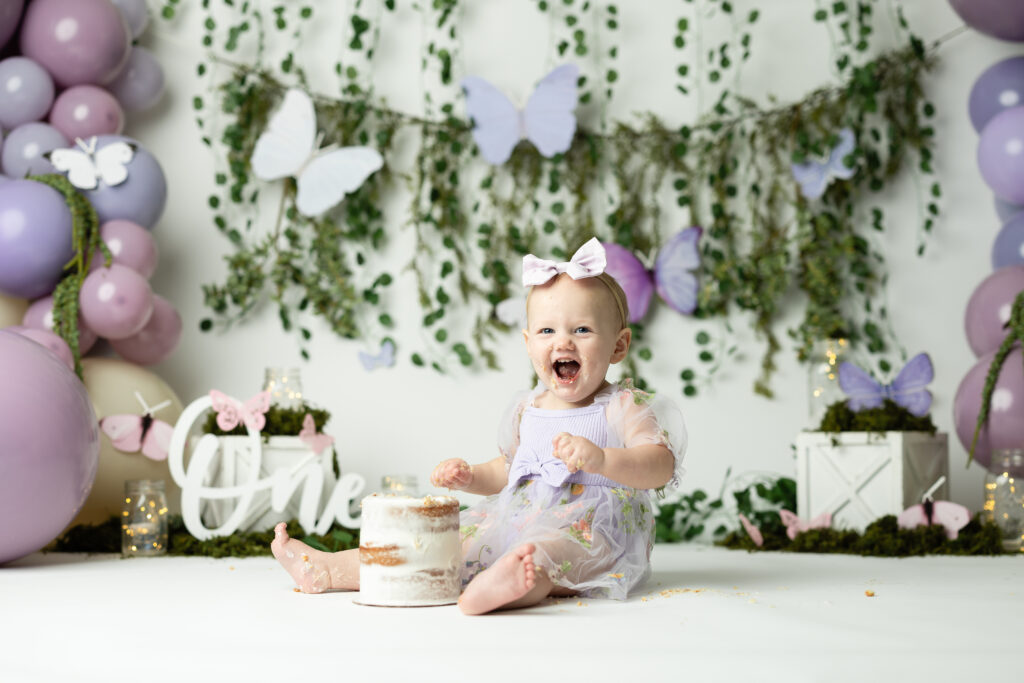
(231, 568)
(579, 603)
(296, 590)
(870, 594)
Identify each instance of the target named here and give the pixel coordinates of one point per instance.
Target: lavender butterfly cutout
(907, 390)
(384, 359)
(547, 121)
(815, 176)
(672, 277)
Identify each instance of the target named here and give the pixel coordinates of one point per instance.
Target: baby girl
(568, 508)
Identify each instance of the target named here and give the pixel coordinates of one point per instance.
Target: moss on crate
(890, 417)
(280, 422)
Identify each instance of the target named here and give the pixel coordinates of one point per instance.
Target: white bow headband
(588, 261)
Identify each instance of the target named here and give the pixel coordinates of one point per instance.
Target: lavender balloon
(1008, 249)
(157, 339)
(988, 309)
(130, 245)
(25, 146)
(135, 14)
(140, 198)
(141, 83)
(35, 238)
(27, 91)
(77, 41)
(10, 14)
(116, 302)
(51, 446)
(1005, 210)
(1003, 19)
(1005, 425)
(83, 111)
(48, 340)
(999, 87)
(1001, 154)
(39, 316)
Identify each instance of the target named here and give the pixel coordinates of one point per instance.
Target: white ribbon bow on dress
(588, 261)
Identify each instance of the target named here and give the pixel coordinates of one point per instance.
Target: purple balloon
(116, 302)
(27, 91)
(988, 309)
(51, 446)
(135, 13)
(1005, 425)
(48, 340)
(35, 238)
(130, 245)
(1000, 87)
(39, 316)
(1002, 19)
(77, 41)
(157, 339)
(25, 146)
(1005, 210)
(140, 198)
(83, 111)
(10, 15)
(1008, 249)
(1001, 154)
(141, 83)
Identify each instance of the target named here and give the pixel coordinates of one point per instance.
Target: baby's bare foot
(505, 581)
(307, 566)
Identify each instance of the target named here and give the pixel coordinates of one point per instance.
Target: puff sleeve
(637, 418)
(508, 428)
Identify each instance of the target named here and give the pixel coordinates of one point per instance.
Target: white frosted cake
(409, 551)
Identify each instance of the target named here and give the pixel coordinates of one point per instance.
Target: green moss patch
(890, 417)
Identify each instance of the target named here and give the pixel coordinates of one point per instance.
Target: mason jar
(284, 385)
(1004, 495)
(144, 521)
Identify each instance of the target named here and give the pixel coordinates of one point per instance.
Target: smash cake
(409, 551)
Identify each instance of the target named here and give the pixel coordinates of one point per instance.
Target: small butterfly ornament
(317, 442)
(752, 531)
(814, 177)
(86, 166)
(795, 526)
(548, 120)
(231, 412)
(385, 358)
(950, 516)
(907, 390)
(140, 433)
(290, 147)
(673, 276)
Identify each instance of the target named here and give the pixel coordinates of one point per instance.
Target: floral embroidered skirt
(595, 540)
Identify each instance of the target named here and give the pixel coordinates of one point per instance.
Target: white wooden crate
(861, 476)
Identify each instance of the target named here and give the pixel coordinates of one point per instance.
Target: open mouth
(566, 370)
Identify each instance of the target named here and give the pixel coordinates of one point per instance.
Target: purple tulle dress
(593, 535)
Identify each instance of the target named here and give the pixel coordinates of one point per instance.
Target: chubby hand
(578, 453)
(454, 473)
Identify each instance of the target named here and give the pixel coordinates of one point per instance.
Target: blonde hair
(614, 288)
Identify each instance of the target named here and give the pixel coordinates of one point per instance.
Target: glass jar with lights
(144, 521)
(1004, 495)
(823, 375)
(284, 385)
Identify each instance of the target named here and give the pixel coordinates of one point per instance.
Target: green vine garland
(471, 223)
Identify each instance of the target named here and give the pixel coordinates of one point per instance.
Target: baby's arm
(646, 466)
(484, 479)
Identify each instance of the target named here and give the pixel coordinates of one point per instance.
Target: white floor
(707, 615)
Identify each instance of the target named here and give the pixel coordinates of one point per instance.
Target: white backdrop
(405, 419)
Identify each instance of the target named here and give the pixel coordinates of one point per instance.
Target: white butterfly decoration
(289, 147)
(86, 166)
(547, 120)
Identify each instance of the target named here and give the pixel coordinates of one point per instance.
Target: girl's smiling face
(573, 334)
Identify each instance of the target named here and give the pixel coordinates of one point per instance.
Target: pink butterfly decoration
(795, 525)
(316, 442)
(139, 433)
(752, 531)
(230, 411)
(951, 516)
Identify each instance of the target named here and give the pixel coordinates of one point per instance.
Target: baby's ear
(622, 344)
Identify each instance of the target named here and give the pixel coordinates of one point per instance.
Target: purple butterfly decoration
(384, 359)
(547, 120)
(672, 277)
(907, 390)
(814, 176)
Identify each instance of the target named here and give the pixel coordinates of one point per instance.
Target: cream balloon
(12, 310)
(111, 384)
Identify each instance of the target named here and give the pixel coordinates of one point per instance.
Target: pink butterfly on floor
(139, 433)
(230, 411)
(795, 525)
(316, 442)
(951, 516)
(752, 531)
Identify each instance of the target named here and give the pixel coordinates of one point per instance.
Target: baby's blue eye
(582, 329)
(546, 330)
